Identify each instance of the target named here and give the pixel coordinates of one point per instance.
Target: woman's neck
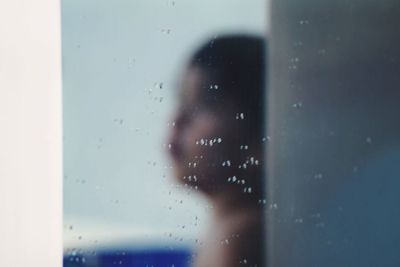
(230, 205)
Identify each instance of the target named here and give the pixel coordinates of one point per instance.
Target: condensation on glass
(163, 147)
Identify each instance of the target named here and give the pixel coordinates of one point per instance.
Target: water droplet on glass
(298, 220)
(355, 169)
(239, 116)
(318, 176)
(298, 105)
(274, 206)
(166, 31)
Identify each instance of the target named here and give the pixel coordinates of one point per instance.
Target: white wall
(30, 133)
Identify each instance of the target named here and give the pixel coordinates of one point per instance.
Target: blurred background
(121, 64)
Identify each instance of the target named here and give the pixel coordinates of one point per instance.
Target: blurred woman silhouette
(217, 145)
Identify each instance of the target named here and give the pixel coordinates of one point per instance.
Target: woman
(217, 145)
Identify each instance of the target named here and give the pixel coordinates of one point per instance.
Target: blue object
(129, 258)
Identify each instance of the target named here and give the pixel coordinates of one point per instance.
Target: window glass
(333, 166)
(123, 67)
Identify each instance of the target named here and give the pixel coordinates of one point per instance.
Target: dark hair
(235, 73)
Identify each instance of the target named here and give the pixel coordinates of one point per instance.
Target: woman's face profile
(216, 148)
(201, 137)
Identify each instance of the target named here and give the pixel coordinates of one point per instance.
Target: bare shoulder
(234, 242)
(247, 246)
